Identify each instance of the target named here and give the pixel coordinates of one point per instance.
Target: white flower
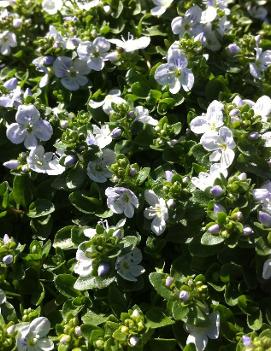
(266, 274)
(221, 144)
(157, 211)
(206, 180)
(6, 3)
(7, 41)
(175, 73)
(97, 170)
(94, 52)
(262, 62)
(127, 266)
(210, 121)
(12, 99)
(44, 162)
(131, 44)
(121, 200)
(263, 194)
(29, 127)
(262, 107)
(199, 335)
(84, 264)
(112, 97)
(72, 73)
(52, 6)
(189, 23)
(141, 114)
(87, 5)
(100, 136)
(161, 7)
(208, 15)
(33, 336)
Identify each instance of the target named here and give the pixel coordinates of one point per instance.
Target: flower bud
(214, 229)
(248, 231)
(17, 22)
(77, 331)
(8, 259)
(219, 208)
(11, 164)
(135, 313)
(107, 9)
(246, 340)
(169, 281)
(216, 191)
(116, 133)
(265, 218)
(253, 135)
(133, 172)
(184, 295)
(6, 239)
(242, 176)
(64, 124)
(234, 112)
(233, 49)
(238, 216)
(133, 341)
(65, 339)
(168, 175)
(170, 203)
(103, 269)
(70, 160)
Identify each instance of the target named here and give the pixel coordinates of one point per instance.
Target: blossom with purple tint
(121, 200)
(175, 73)
(30, 128)
(72, 73)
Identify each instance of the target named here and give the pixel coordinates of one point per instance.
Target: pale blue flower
(175, 73)
(97, 170)
(157, 212)
(44, 162)
(127, 266)
(262, 62)
(30, 128)
(121, 200)
(72, 73)
(221, 144)
(94, 52)
(33, 336)
(199, 335)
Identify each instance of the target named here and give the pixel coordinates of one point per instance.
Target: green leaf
(179, 311)
(210, 240)
(64, 284)
(83, 203)
(75, 178)
(255, 321)
(160, 344)
(63, 238)
(88, 283)
(156, 318)
(40, 208)
(93, 318)
(21, 190)
(157, 280)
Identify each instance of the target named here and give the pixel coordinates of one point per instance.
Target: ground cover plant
(135, 190)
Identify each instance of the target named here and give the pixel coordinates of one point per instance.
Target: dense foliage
(135, 190)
